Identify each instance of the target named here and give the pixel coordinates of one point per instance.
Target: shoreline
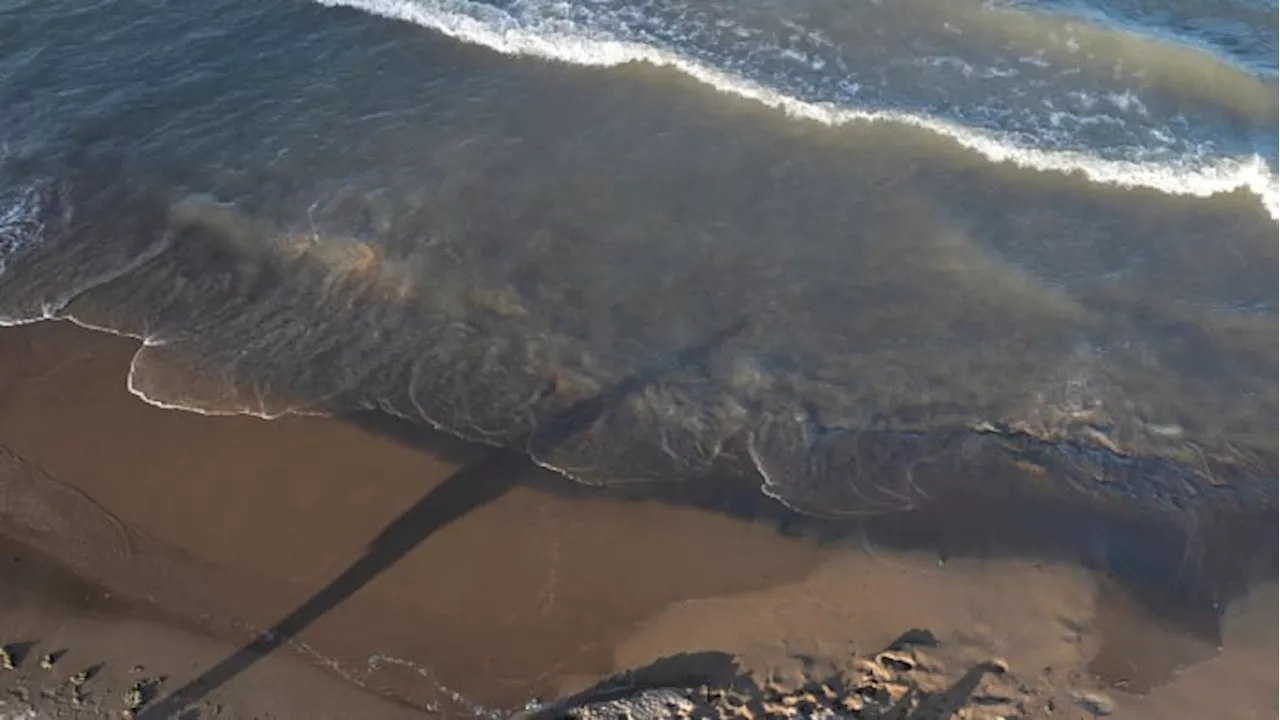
(130, 457)
(523, 588)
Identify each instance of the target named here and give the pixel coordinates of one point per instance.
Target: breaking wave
(568, 41)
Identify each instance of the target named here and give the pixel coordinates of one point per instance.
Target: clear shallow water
(858, 249)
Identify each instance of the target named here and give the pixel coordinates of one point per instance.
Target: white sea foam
(567, 42)
(131, 380)
(19, 224)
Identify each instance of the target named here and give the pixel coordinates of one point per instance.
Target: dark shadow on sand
(1186, 575)
(471, 487)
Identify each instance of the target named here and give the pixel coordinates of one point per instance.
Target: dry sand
(136, 536)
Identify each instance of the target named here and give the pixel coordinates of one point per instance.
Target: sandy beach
(410, 576)
(604, 360)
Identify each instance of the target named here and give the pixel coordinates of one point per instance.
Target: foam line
(479, 24)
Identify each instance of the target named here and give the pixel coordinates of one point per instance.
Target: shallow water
(860, 251)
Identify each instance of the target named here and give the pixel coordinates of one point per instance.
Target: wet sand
(504, 584)
(76, 653)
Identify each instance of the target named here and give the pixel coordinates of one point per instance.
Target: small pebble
(1094, 703)
(133, 696)
(778, 710)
